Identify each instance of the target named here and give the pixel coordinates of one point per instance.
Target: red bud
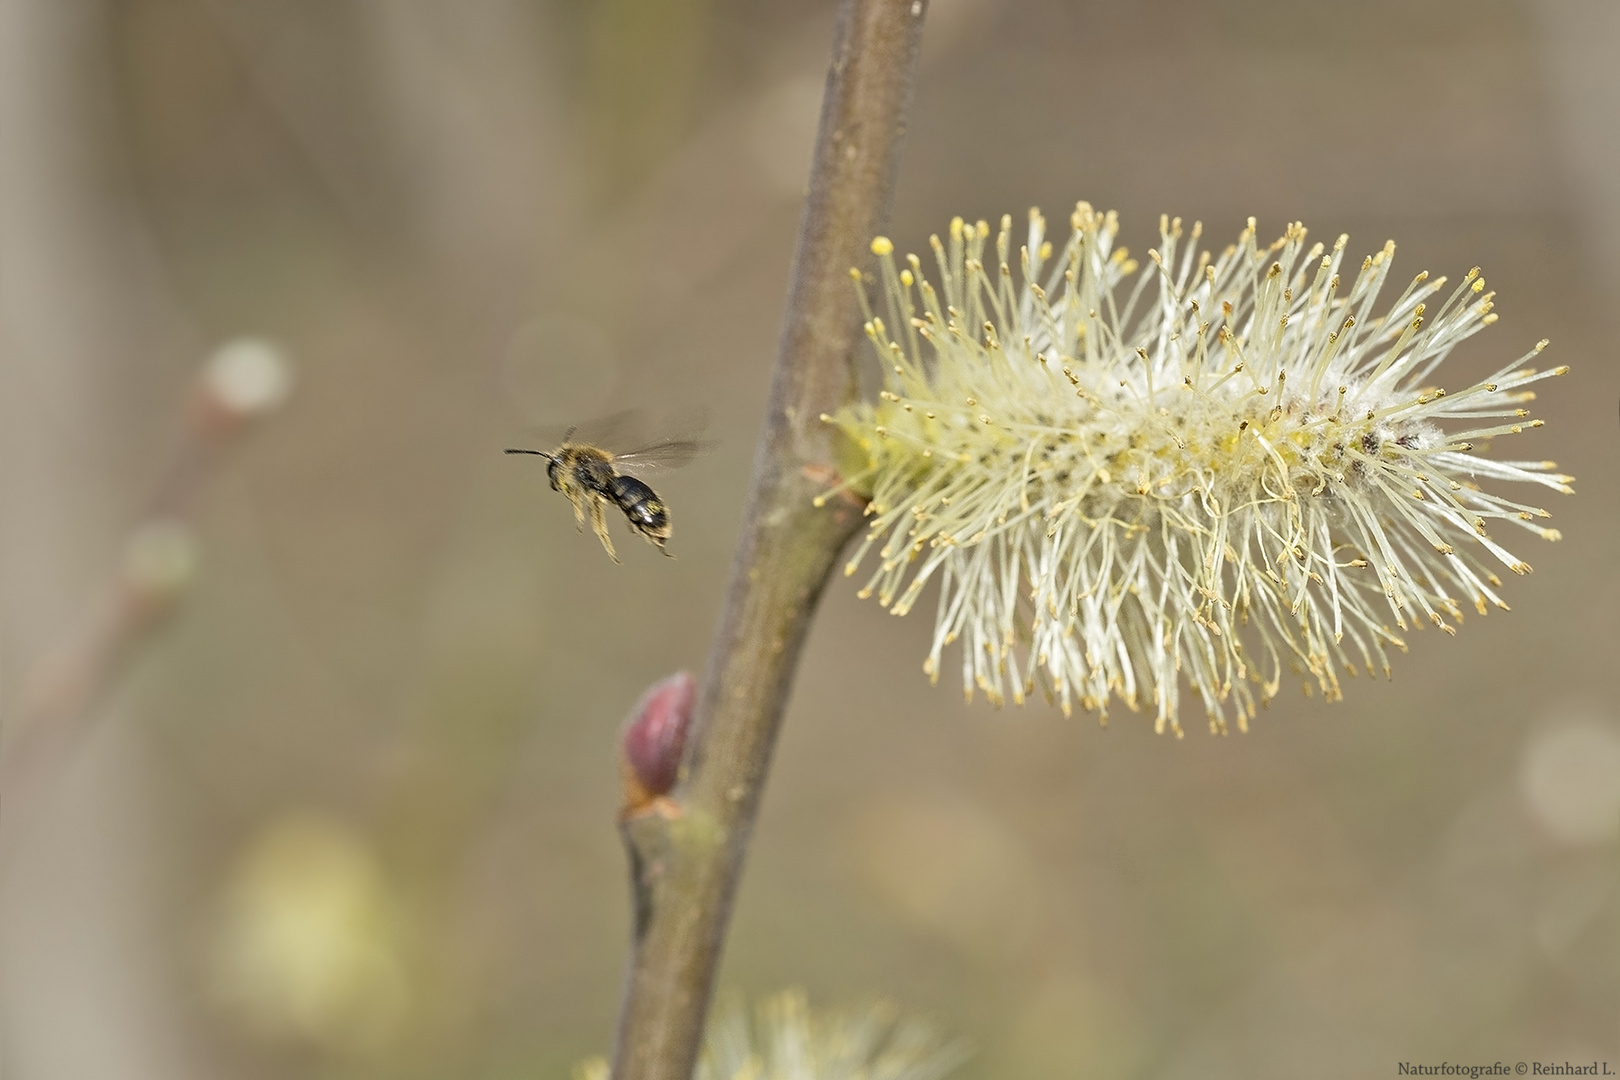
(655, 736)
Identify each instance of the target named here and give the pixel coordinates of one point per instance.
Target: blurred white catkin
(786, 1040)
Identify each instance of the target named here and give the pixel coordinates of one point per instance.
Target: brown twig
(686, 850)
(243, 381)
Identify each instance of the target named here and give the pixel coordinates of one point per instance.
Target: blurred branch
(687, 850)
(242, 381)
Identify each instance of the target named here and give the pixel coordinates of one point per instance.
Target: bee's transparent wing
(680, 445)
(626, 427)
(665, 455)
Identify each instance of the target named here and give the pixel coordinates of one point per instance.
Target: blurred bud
(160, 560)
(245, 378)
(1570, 777)
(308, 944)
(655, 737)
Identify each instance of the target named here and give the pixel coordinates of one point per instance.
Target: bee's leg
(657, 535)
(600, 525)
(577, 498)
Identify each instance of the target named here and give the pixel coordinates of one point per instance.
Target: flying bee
(592, 478)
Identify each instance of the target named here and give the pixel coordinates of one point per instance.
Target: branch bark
(687, 850)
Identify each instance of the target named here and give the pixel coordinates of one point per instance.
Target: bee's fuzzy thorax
(1228, 466)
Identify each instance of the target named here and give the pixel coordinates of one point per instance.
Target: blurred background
(349, 811)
